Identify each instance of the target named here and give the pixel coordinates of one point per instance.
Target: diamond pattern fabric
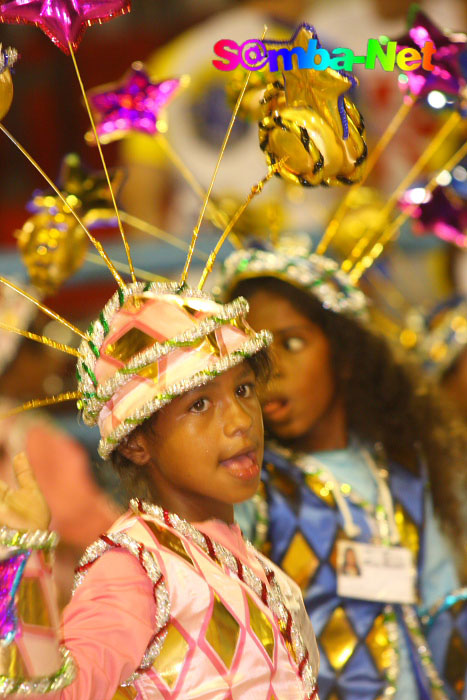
(223, 632)
(304, 528)
(300, 561)
(222, 641)
(338, 639)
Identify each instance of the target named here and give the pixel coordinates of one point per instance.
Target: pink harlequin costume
(164, 608)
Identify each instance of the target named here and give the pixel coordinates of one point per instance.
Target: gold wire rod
(194, 237)
(358, 250)
(123, 267)
(373, 158)
(180, 165)
(256, 189)
(392, 295)
(94, 241)
(43, 308)
(40, 339)
(391, 231)
(218, 217)
(155, 231)
(39, 403)
(104, 165)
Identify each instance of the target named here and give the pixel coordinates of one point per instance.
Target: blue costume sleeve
(438, 575)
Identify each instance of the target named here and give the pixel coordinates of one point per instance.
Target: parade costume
(150, 344)
(163, 608)
(310, 502)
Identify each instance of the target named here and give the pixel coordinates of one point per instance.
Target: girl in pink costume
(171, 602)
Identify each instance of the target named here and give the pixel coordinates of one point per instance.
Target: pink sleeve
(108, 625)
(81, 511)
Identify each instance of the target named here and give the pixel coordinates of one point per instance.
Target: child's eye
(199, 406)
(245, 390)
(294, 344)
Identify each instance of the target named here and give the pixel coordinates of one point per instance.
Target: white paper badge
(374, 572)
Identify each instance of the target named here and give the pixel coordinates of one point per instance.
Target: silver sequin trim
(423, 651)
(275, 599)
(44, 684)
(239, 307)
(151, 567)
(310, 273)
(249, 348)
(108, 312)
(28, 539)
(8, 58)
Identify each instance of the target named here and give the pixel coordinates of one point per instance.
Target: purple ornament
(11, 571)
(446, 75)
(133, 104)
(62, 20)
(459, 179)
(437, 213)
(90, 188)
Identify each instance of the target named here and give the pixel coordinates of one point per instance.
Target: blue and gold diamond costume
(367, 648)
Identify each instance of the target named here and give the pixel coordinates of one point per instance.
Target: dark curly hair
(388, 400)
(135, 479)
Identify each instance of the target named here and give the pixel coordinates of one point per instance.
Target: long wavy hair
(388, 400)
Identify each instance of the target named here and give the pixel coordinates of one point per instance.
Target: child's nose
(237, 420)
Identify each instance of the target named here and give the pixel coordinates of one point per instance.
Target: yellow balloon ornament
(308, 120)
(52, 244)
(250, 107)
(7, 59)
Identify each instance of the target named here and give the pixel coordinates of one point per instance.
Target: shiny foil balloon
(250, 107)
(7, 60)
(446, 73)
(440, 212)
(62, 20)
(135, 103)
(309, 120)
(52, 245)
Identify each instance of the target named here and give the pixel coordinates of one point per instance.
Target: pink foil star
(62, 20)
(446, 75)
(133, 104)
(437, 213)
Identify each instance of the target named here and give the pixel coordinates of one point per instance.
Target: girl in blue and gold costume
(360, 449)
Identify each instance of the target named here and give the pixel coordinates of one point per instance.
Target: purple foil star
(446, 75)
(133, 104)
(437, 213)
(11, 571)
(62, 20)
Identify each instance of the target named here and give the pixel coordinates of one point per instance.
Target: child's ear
(134, 448)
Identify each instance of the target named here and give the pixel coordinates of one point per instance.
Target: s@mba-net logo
(255, 55)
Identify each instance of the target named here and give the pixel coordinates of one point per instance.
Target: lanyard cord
(350, 527)
(385, 519)
(385, 502)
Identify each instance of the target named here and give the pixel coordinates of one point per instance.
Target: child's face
(302, 392)
(206, 447)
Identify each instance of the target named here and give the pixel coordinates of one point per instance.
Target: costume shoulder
(129, 534)
(294, 601)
